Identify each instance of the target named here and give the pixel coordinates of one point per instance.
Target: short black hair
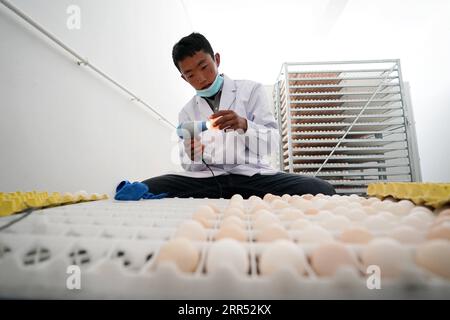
(190, 45)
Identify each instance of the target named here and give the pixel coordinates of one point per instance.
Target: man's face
(200, 70)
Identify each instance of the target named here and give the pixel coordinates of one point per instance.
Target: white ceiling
(255, 37)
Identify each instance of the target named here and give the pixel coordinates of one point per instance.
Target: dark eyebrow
(199, 63)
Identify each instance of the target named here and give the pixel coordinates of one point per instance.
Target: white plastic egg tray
(116, 245)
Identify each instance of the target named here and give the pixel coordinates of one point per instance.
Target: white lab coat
(249, 100)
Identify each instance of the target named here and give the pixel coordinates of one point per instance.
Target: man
(231, 157)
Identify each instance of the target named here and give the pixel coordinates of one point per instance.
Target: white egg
(270, 197)
(434, 256)
(366, 202)
(311, 211)
(302, 204)
(205, 212)
(407, 203)
(255, 199)
(407, 235)
(265, 219)
(440, 220)
(342, 202)
(300, 224)
(354, 205)
(286, 197)
(405, 206)
(233, 220)
(388, 216)
(232, 231)
(340, 210)
(271, 233)
(376, 223)
(205, 215)
(381, 206)
(356, 215)
(372, 200)
(237, 197)
(214, 207)
(314, 234)
(323, 215)
(294, 197)
(388, 255)
(443, 213)
(397, 210)
(227, 253)
(336, 223)
(192, 230)
(279, 204)
(421, 209)
(355, 198)
(260, 212)
(440, 231)
(330, 205)
(259, 206)
(329, 257)
(307, 196)
(181, 252)
(282, 254)
(290, 214)
(370, 211)
(426, 217)
(236, 204)
(319, 203)
(356, 235)
(234, 212)
(414, 222)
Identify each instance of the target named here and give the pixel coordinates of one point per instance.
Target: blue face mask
(212, 89)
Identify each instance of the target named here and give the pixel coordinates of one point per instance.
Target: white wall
(255, 37)
(62, 127)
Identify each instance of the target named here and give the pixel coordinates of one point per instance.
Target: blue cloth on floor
(127, 191)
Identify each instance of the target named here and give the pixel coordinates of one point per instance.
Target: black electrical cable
(219, 187)
(25, 214)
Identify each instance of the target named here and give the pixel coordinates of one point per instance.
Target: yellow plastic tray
(14, 202)
(434, 195)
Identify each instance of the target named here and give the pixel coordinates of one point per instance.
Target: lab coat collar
(227, 99)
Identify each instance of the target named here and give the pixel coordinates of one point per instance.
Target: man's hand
(194, 149)
(228, 119)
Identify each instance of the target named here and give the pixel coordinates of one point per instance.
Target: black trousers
(258, 185)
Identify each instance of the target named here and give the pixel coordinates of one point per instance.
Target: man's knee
(314, 186)
(162, 183)
(325, 187)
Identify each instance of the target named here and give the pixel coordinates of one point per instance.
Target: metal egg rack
(346, 122)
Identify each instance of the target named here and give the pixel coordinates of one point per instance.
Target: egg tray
(341, 117)
(14, 202)
(349, 110)
(358, 126)
(353, 150)
(435, 195)
(331, 142)
(115, 244)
